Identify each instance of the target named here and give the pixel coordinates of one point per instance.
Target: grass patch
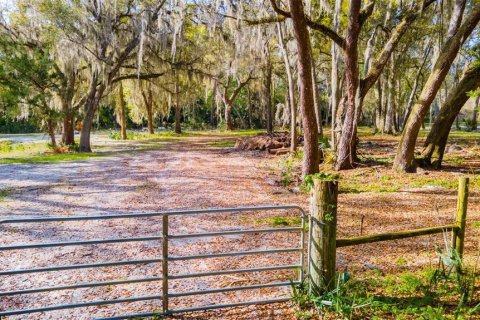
(171, 135)
(49, 158)
(407, 295)
(398, 182)
(4, 193)
(164, 135)
(222, 144)
(456, 135)
(18, 149)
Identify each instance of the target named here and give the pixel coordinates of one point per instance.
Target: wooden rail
(323, 230)
(346, 242)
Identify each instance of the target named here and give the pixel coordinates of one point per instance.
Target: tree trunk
(302, 37)
(344, 152)
(66, 96)
(316, 100)
(291, 90)
(411, 98)
(123, 117)
(178, 108)
(148, 101)
(51, 131)
(68, 133)
(475, 114)
(334, 99)
(456, 18)
(404, 159)
(436, 141)
(268, 98)
(379, 123)
(390, 112)
(149, 107)
(91, 106)
(87, 124)
(178, 119)
(228, 115)
(249, 109)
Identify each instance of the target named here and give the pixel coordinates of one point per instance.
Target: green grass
(234, 133)
(163, 135)
(222, 144)
(456, 135)
(49, 158)
(170, 135)
(419, 294)
(389, 183)
(9, 148)
(4, 193)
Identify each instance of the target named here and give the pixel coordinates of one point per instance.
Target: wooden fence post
(460, 221)
(323, 224)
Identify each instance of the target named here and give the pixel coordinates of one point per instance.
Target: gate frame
(165, 238)
(324, 225)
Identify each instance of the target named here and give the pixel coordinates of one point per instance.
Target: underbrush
(449, 291)
(371, 179)
(39, 152)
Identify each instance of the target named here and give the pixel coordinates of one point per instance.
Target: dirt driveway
(193, 173)
(188, 174)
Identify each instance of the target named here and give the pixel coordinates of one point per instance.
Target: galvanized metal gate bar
(165, 238)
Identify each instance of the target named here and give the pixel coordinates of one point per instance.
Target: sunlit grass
(49, 158)
(398, 182)
(222, 144)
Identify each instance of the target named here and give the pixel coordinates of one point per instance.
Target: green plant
(347, 298)
(6, 146)
(323, 143)
(4, 193)
(469, 124)
(308, 181)
(287, 170)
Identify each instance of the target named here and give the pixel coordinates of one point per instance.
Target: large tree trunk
(302, 37)
(178, 108)
(149, 107)
(404, 159)
(268, 98)
(344, 152)
(148, 101)
(334, 98)
(91, 106)
(390, 111)
(456, 18)
(178, 119)
(228, 115)
(316, 100)
(379, 123)
(87, 124)
(436, 141)
(475, 114)
(123, 117)
(411, 98)
(68, 133)
(51, 131)
(291, 90)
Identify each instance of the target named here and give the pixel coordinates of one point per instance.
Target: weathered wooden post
(461, 217)
(165, 264)
(323, 224)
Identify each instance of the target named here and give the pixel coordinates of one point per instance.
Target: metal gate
(166, 237)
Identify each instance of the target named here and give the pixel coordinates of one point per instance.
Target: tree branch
(366, 12)
(335, 37)
(139, 77)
